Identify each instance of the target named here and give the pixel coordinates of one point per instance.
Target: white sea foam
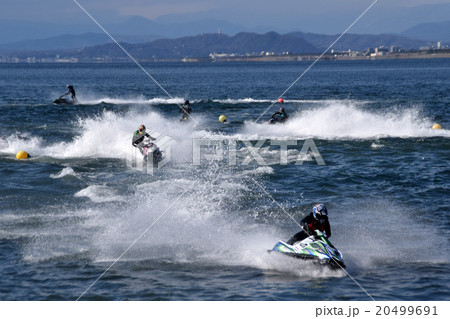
(205, 222)
(99, 194)
(21, 141)
(376, 145)
(241, 101)
(250, 100)
(383, 231)
(347, 120)
(262, 170)
(67, 171)
(108, 135)
(92, 99)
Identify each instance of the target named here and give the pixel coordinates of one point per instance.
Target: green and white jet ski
(316, 248)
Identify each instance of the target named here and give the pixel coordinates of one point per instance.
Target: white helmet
(319, 210)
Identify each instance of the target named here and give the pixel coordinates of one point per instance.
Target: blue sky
(325, 16)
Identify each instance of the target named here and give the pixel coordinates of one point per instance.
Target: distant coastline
(244, 46)
(434, 54)
(331, 57)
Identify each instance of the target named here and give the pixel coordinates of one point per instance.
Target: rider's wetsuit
(310, 224)
(280, 116)
(138, 138)
(71, 92)
(186, 110)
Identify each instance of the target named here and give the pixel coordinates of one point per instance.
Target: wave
(379, 239)
(108, 135)
(212, 212)
(67, 171)
(94, 99)
(241, 101)
(346, 120)
(21, 141)
(99, 194)
(286, 101)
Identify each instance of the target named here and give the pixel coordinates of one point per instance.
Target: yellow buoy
(222, 118)
(22, 155)
(437, 127)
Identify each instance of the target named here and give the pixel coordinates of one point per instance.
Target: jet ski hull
(317, 249)
(331, 263)
(64, 101)
(151, 151)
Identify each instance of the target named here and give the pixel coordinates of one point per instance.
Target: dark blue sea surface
(83, 199)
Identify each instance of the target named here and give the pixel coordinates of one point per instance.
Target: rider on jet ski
(70, 91)
(280, 116)
(138, 138)
(186, 109)
(318, 219)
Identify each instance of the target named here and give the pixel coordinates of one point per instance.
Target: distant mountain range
(430, 31)
(240, 44)
(22, 31)
(202, 45)
(147, 39)
(71, 41)
(25, 35)
(387, 17)
(360, 42)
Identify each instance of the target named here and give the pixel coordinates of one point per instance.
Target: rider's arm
(308, 224)
(134, 140)
(305, 223)
(328, 229)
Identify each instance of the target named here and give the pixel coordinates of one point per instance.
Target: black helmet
(186, 102)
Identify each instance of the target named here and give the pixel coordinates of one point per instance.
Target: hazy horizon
(34, 20)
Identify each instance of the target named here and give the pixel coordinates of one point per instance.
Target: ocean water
(78, 205)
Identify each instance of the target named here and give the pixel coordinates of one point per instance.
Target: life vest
(313, 226)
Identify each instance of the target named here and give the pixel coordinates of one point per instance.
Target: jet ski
(151, 151)
(276, 120)
(316, 248)
(62, 100)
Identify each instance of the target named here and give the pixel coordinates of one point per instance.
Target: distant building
(439, 45)
(368, 52)
(381, 50)
(424, 48)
